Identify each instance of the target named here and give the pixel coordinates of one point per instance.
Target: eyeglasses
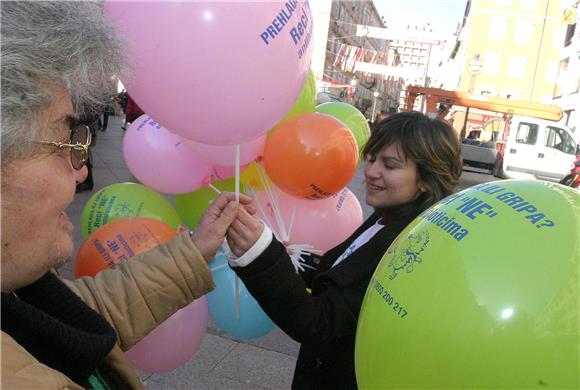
(80, 139)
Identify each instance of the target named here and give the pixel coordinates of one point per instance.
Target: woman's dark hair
(431, 143)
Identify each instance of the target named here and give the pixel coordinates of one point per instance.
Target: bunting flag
(347, 56)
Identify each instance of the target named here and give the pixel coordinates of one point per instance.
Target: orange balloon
(118, 241)
(311, 156)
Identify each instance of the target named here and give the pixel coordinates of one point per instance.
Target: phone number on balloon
(388, 298)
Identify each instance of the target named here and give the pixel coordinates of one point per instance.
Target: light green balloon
(307, 100)
(126, 200)
(351, 117)
(191, 206)
(480, 291)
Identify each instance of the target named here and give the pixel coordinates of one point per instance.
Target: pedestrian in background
(132, 112)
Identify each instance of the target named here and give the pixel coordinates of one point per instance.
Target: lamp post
(376, 95)
(474, 67)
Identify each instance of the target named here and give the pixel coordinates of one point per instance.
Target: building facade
(566, 90)
(518, 45)
(339, 76)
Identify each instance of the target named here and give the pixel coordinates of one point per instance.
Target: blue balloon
(252, 321)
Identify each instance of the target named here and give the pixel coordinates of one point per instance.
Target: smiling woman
(411, 162)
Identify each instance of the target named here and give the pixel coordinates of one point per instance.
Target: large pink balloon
(321, 223)
(173, 342)
(160, 160)
(217, 72)
(224, 155)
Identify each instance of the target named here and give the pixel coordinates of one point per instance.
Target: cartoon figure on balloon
(124, 210)
(416, 243)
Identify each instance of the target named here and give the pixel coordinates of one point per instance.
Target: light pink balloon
(173, 342)
(321, 223)
(224, 155)
(217, 72)
(160, 160)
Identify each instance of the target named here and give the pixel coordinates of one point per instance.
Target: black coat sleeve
(307, 318)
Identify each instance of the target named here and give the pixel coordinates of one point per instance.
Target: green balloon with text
(351, 117)
(126, 200)
(480, 291)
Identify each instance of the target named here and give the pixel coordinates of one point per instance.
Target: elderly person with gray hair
(57, 62)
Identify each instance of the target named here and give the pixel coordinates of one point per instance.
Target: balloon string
(296, 253)
(291, 225)
(237, 152)
(237, 175)
(213, 269)
(214, 188)
(237, 297)
(269, 189)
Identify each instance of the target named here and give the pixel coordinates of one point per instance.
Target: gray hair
(68, 42)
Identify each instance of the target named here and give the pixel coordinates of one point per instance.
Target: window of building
(517, 67)
(551, 72)
(527, 133)
(577, 77)
(491, 62)
(561, 78)
(524, 30)
(559, 139)
(497, 28)
(569, 34)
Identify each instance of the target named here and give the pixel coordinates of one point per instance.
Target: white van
(537, 148)
(534, 148)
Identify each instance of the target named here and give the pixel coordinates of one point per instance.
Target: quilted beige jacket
(135, 297)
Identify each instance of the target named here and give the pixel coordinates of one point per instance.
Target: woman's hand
(243, 233)
(215, 221)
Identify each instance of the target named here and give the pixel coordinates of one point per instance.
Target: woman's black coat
(323, 321)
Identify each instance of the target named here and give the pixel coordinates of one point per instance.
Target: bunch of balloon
(305, 223)
(480, 291)
(231, 307)
(160, 160)
(351, 117)
(178, 338)
(184, 91)
(126, 200)
(311, 156)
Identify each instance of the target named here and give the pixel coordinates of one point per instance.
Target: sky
(442, 14)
